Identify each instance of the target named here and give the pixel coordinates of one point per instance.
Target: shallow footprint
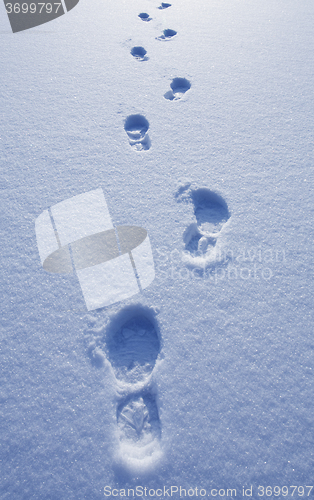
(139, 429)
(167, 35)
(179, 86)
(133, 349)
(136, 127)
(164, 5)
(138, 419)
(139, 53)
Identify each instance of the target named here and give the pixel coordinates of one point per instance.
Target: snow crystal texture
(196, 120)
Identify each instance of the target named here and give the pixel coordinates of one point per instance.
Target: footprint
(179, 86)
(136, 126)
(132, 349)
(164, 6)
(167, 35)
(139, 425)
(210, 210)
(144, 16)
(211, 213)
(139, 53)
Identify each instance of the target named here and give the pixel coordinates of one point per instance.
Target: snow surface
(222, 180)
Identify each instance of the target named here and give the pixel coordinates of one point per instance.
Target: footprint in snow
(164, 5)
(167, 35)
(136, 127)
(139, 429)
(139, 53)
(201, 236)
(132, 349)
(179, 86)
(144, 16)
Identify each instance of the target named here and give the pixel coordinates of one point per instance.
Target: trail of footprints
(132, 346)
(132, 350)
(136, 126)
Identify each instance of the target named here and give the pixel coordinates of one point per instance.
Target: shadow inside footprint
(144, 16)
(179, 86)
(133, 349)
(211, 213)
(136, 127)
(197, 243)
(164, 5)
(210, 210)
(139, 53)
(167, 35)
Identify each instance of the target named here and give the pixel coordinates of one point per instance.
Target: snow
(224, 398)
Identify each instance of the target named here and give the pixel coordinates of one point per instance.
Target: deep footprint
(136, 127)
(167, 35)
(144, 16)
(139, 53)
(164, 5)
(210, 210)
(211, 213)
(179, 86)
(133, 350)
